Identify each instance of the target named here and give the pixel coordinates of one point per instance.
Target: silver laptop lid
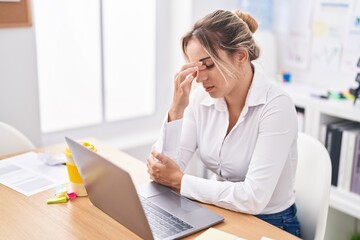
(111, 189)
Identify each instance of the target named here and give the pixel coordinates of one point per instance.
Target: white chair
(312, 185)
(12, 140)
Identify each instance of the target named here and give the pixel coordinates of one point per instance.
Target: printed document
(28, 174)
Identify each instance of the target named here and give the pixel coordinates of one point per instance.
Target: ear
(241, 56)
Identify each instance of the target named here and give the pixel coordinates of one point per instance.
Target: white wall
(19, 100)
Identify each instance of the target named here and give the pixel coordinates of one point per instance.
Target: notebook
(152, 211)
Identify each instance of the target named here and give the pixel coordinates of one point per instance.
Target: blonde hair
(225, 30)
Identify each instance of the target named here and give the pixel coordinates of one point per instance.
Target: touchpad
(174, 203)
(151, 189)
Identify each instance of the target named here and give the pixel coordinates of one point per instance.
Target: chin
(214, 95)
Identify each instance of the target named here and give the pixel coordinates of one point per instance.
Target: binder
(355, 180)
(333, 144)
(347, 157)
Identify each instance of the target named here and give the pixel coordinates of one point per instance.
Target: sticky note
(318, 28)
(61, 194)
(71, 195)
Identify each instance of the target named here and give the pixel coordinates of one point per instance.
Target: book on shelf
(355, 179)
(322, 133)
(333, 144)
(301, 119)
(347, 157)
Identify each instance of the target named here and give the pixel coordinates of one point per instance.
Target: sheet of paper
(27, 174)
(351, 50)
(298, 49)
(329, 26)
(326, 54)
(331, 18)
(215, 234)
(300, 20)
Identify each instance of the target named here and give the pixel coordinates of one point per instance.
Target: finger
(154, 163)
(149, 162)
(186, 84)
(154, 173)
(200, 68)
(188, 80)
(184, 74)
(190, 65)
(152, 160)
(159, 156)
(150, 170)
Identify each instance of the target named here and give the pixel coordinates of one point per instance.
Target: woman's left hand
(164, 170)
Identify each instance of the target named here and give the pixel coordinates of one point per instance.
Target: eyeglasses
(208, 62)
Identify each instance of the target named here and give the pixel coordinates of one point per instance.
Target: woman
(244, 127)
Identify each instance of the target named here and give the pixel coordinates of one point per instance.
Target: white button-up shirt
(256, 161)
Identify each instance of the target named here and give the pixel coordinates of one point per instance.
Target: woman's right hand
(182, 87)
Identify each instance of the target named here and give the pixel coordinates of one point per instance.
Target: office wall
(19, 95)
(19, 101)
(290, 27)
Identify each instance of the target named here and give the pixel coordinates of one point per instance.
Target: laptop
(152, 211)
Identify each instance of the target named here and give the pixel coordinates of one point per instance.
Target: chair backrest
(12, 140)
(312, 185)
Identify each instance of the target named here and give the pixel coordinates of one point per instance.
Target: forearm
(235, 196)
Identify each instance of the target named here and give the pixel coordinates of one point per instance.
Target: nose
(201, 76)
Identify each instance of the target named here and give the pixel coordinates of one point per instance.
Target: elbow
(253, 201)
(255, 205)
(257, 208)
(244, 197)
(258, 202)
(249, 206)
(249, 203)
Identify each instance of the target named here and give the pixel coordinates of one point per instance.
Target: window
(96, 61)
(129, 58)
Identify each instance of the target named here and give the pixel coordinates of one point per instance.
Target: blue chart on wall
(261, 10)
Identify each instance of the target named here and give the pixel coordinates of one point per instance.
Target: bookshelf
(316, 112)
(344, 201)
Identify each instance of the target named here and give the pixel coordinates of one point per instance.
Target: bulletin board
(15, 13)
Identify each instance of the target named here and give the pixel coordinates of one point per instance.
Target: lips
(208, 88)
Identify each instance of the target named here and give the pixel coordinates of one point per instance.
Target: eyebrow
(200, 60)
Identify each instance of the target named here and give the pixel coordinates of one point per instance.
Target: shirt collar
(260, 85)
(219, 103)
(256, 95)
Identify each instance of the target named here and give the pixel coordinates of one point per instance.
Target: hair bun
(248, 19)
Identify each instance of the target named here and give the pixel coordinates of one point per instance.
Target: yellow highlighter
(57, 200)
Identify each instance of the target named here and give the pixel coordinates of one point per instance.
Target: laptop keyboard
(162, 223)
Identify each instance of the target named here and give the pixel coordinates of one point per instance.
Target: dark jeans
(286, 220)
